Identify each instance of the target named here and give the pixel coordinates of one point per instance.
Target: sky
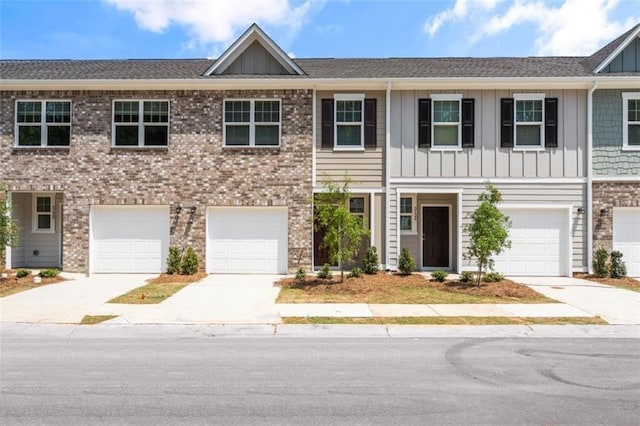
(141, 29)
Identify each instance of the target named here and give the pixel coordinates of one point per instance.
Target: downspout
(589, 208)
(387, 149)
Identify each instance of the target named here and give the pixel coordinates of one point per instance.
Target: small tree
(617, 268)
(8, 225)
(343, 231)
(174, 259)
(371, 263)
(189, 264)
(600, 266)
(406, 263)
(488, 230)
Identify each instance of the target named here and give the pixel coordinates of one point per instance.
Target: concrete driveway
(68, 301)
(614, 305)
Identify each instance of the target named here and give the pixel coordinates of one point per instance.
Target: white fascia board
(483, 180)
(619, 50)
(616, 178)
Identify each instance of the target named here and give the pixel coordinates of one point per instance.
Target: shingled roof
(592, 62)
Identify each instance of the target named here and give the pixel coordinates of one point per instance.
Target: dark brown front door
(320, 255)
(435, 237)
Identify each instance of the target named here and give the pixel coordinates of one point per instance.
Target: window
(356, 207)
(528, 123)
(407, 224)
(349, 129)
(252, 123)
(631, 120)
(43, 205)
(446, 121)
(140, 123)
(43, 123)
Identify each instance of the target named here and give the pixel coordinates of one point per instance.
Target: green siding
(608, 157)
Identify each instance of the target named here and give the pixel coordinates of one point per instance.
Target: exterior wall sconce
(193, 209)
(178, 209)
(604, 210)
(580, 210)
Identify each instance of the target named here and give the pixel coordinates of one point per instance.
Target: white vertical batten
(7, 251)
(387, 201)
(314, 135)
(589, 206)
(372, 218)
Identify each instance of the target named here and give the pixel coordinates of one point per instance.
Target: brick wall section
(608, 195)
(194, 170)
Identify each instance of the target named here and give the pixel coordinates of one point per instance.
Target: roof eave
(617, 51)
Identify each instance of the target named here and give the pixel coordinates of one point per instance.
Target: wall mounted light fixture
(604, 210)
(193, 209)
(178, 209)
(580, 210)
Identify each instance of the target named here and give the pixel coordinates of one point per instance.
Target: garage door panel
(130, 238)
(537, 247)
(247, 240)
(626, 237)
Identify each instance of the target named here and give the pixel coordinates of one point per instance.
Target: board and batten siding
(627, 61)
(256, 60)
(366, 168)
(512, 193)
(608, 157)
(487, 159)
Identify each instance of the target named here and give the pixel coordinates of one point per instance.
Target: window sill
(251, 146)
(630, 148)
(443, 148)
(533, 148)
(408, 233)
(40, 149)
(139, 149)
(43, 231)
(347, 148)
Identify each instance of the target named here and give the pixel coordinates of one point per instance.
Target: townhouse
(108, 163)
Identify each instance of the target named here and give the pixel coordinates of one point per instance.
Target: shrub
(21, 273)
(439, 276)
(48, 273)
(600, 262)
(355, 272)
(189, 264)
(371, 261)
(466, 277)
(492, 277)
(173, 260)
(617, 268)
(301, 274)
(406, 264)
(325, 272)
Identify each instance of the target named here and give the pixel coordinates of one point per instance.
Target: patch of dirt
(625, 282)
(383, 283)
(177, 278)
(12, 285)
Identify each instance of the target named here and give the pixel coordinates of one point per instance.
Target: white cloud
(210, 23)
(569, 27)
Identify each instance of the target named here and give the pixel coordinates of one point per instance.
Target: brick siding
(608, 195)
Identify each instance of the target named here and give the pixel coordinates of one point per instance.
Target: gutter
(589, 208)
(387, 177)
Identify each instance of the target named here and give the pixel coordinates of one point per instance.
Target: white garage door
(539, 243)
(129, 238)
(247, 240)
(626, 237)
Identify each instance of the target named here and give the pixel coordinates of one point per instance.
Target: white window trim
(140, 124)
(43, 124)
(414, 216)
(34, 213)
(347, 97)
(528, 97)
(446, 97)
(626, 97)
(251, 123)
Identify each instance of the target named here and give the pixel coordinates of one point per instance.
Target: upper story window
(349, 122)
(631, 120)
(349, 129)
(446, 122)
(42, 220)
(140, 123)
(529, 122)
(252, 123)
(43, 123)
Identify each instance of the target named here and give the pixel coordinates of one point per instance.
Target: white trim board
(616, 179)
(532, 180)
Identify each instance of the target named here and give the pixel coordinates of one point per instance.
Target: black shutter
(327, 123)
(468, 112)
(370, 123)
(551, 122)
(506, 122)
(424, 123)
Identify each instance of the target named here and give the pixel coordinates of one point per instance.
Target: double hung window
(140, 123)
(631, 121)
(43, 123)
(252, 123)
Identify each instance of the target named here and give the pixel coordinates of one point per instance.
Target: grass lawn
(158, 289)
(446, 320)
(13, 285)
(625, 283)
(410, 289)
(96, 319)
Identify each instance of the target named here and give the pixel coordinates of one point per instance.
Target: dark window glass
(126, 135)
(58, 135)
(29, 135)
(155, 135)
(237, 135)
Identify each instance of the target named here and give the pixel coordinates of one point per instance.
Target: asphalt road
(158, 381)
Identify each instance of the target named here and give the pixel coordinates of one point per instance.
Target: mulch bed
(11, 284)
(382, 282)
(616, 282)
(177, 278)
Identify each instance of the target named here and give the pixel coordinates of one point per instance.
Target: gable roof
(603, 57)
(253, 34)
